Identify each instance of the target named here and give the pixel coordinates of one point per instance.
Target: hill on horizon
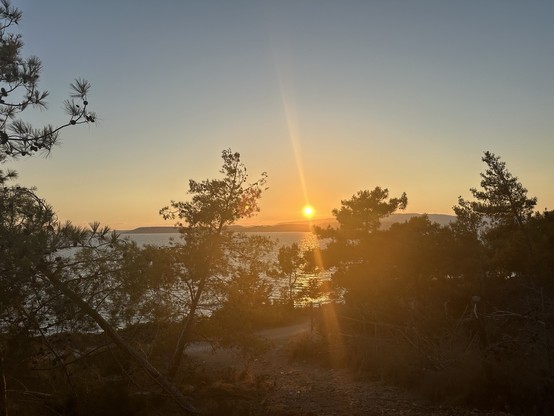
(298, 226)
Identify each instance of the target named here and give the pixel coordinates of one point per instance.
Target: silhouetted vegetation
(461, 313)
(94, 324)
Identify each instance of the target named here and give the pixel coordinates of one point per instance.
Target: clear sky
(328, 97)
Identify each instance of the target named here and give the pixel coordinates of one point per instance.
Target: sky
(327, 97)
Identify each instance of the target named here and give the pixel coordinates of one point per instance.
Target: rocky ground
(275, 385)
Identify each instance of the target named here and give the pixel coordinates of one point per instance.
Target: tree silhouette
(362, 214)
(499, 215)
(43, 286)
(356, 249)
(19, 90)
(502, 198)
(291, 265)
(215, 204)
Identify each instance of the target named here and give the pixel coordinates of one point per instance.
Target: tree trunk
(166, 384)
(185, 332)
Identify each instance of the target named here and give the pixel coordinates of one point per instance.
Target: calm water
(306, 240)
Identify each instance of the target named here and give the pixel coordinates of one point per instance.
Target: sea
(305, 240)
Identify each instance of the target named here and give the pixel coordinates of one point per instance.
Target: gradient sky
(328, 97)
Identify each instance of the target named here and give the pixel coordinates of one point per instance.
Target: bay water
(305, 240)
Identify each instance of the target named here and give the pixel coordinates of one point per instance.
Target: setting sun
(308, 211)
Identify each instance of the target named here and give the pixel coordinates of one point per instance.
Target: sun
(308, 211)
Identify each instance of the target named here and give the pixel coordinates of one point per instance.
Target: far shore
(295, 226)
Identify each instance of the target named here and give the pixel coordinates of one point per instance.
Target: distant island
(297, 226)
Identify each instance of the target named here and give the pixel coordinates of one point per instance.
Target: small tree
(291, 265)
(215, 205)
(498, 215)
(469, 254)
(362, 214)
(356, 241)
(243, 295)
(502, 198)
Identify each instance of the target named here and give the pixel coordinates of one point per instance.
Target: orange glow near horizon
(292, 129)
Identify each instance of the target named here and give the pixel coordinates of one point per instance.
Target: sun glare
(308, 211)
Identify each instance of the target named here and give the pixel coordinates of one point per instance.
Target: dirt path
(295, 388)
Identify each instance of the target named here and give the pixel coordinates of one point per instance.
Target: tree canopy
(19, 90)
(502, 198)
(207, 245)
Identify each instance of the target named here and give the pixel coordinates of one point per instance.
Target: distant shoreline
(237, 228)
(297, 226)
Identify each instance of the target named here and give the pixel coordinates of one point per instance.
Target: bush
(309, 348)
(385, 360)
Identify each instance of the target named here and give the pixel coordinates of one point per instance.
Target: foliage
(425, 304)
(502, 198)
(244, 297)
(362, 214)
(217, 203)
(19, 89)
(30, 235)
(291, 265)
(58, 278)
(33, 243)
(472, 302)
(203, 255)
(42, 261)
(357, 241)
(53, 277)
(497, 220)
